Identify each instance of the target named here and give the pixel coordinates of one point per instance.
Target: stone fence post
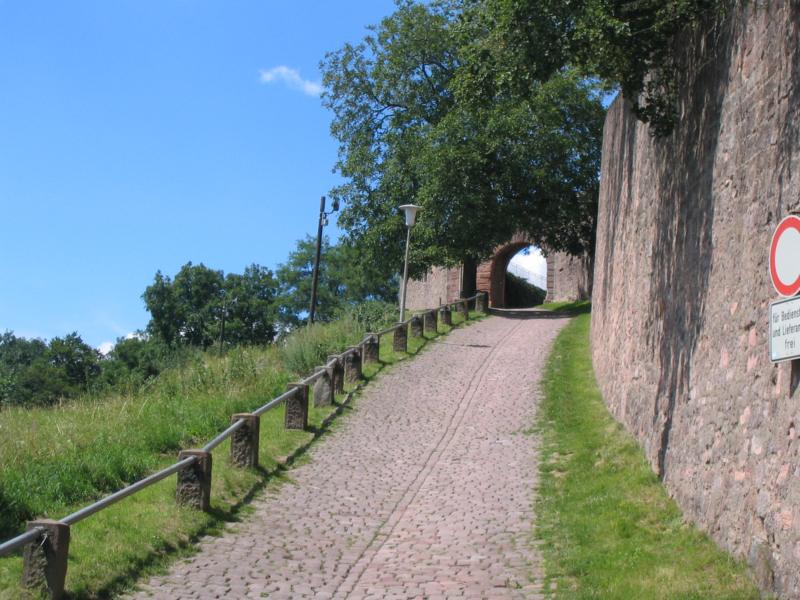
(244, 441)
(44, 562)
(371, 349)
(194, 481)
(337, 374)
(445, 316)
(323, 387)
(430, 321)
(400, 339)
(416, 326)
(296, 415)
(463, 309)
(480, 302)
(352, 365)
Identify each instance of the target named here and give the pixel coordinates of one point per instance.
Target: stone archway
(491, 274)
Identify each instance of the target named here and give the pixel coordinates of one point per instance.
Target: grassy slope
(608, 528)
(55, 461)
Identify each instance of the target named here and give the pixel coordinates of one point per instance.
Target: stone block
(463, 309)
(44, 562)
(296, 409)
(370, 349)
(244, 441)
(481, 301)
(429, 318)
(445, 316)
(194, 481)
(400, 339)
(337, 374)
(352, 365)
(323, 387)
(416, 326)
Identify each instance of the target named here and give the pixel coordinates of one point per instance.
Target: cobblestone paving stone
(424, 491)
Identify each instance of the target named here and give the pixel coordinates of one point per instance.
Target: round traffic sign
(784, 257)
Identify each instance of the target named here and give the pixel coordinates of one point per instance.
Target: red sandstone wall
(681, 288)
(569, 278)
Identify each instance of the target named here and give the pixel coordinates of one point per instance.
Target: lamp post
(410, 211)
(323, 220)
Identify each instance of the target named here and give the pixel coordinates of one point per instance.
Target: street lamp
(410, 211)
(323, 220)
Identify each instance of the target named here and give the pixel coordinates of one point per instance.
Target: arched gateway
(491, 274)
(568, 278)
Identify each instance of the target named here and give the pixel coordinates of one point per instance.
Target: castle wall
(681, 287)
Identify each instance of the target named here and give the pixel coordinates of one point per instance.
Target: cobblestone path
(424, 491)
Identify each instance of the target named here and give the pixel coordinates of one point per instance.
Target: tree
(482, 166)
(189, 310)
(250, 304)
(35, 373)
(344, 280)
(629, 45)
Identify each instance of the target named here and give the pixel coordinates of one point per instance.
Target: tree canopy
(422, 116)
(190, 309)
(488, 113)
(344, 280)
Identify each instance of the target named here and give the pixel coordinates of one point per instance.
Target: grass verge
(44, 453)
(608, 528)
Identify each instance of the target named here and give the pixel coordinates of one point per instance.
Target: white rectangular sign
(784, 336)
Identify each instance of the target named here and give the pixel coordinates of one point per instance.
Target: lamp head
(410, 211)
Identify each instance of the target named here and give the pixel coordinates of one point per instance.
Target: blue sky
(137, 135)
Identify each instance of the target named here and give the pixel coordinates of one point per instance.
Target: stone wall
(569, 278)
(439, 285)
(681, 287)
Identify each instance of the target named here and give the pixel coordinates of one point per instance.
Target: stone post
(352, 365)
(244, 441)
(463, 309)
(338, 374)
(400, 339)
(430, 321)
(445, 317)
(296, 409)
(480, 302)
(371, 349)
(194, 481)
(44, 562)
(323, 387)
(416, 326)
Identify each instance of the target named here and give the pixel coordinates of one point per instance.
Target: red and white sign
(784, 257)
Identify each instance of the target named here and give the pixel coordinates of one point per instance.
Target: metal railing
(36, 532)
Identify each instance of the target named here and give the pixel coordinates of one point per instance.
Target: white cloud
(291, 77)
(533, 261)
(105, 348)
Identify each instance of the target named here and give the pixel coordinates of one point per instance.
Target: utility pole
(323, 220)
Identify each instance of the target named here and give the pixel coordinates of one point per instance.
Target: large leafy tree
(630, 45)
(344, 281)
(189, 310)
(422, 116)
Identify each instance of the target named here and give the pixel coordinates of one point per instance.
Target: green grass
(607, 526)
(576, 307)
(56, 460)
